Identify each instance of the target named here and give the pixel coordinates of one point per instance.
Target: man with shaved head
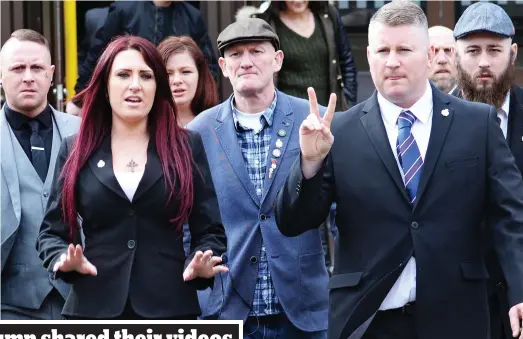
(31, 132)
(442, 72)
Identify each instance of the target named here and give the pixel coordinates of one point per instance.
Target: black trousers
(398, 323)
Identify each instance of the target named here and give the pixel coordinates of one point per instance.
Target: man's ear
(221, 62)
(51, 73)
(514, 48)
(431, 53)
(278, 60)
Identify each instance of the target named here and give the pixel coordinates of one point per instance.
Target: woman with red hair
(191, 83)
(190, 80)
(123, 188)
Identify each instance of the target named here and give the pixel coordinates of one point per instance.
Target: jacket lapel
(101, 164)
(8, 167)
(283, 120)
(373, 123)
(515, 124)
(438, 134)
(226, 133)
(152, 173)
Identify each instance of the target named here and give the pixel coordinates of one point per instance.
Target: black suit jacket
(133, 245)
(497, 287)
(468, 167)
(515, 124)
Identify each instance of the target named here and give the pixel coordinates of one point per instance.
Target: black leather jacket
(144, 19)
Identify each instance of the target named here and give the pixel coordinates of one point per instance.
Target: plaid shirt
(255, 149)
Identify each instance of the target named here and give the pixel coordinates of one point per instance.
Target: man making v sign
(414, 172)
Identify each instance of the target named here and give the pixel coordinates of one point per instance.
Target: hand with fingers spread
(204, 265)
(74, 260)
(316, 138)
(515, 315)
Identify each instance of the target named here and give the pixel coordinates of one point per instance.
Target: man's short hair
(25, 34)
(398, 13)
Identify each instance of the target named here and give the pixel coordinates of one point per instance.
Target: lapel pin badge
(272, 168)
(445, 112)
(279, 143)
(276, 153)
(101, 163)
(282, 133)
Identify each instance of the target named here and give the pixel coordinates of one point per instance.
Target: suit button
(253, 260)
(414, 225)
(131, 212)
(263, 217)
(131, 244)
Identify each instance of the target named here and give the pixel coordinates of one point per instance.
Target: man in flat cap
(276, 285)
(485, 59)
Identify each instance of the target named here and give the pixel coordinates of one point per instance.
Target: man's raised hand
(316, 138)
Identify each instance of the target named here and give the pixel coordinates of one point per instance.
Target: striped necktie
(409, 155)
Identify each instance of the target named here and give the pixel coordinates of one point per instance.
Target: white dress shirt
(129, 182)
(503, 114)
(404, 290)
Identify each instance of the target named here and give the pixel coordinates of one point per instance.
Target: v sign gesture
(316, 138)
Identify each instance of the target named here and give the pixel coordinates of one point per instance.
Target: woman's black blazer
(136, 250)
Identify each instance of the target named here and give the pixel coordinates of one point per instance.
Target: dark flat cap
(246, 30)
(484, 17)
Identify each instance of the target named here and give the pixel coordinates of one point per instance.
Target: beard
(445, 85)
(493, 94)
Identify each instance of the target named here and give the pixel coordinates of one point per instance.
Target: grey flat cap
(245, 30)
(484, 17)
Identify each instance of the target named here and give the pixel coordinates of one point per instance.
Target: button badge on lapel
(273, 167)
(101, 163)
(276, 153)
(445, 112)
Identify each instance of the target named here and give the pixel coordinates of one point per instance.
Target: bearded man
(485, 61)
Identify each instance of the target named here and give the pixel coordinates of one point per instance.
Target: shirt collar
(506, 104)
(267, 115)
(453, 89)
(17, 120)
(422, 108)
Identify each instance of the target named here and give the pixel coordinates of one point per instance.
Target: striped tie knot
(406, 119)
